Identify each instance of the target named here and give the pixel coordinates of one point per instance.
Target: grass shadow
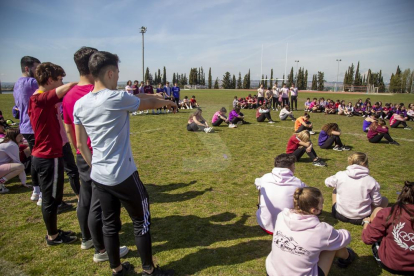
(159, 192)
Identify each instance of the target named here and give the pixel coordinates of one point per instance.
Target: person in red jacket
(377, 131)
(391, 233)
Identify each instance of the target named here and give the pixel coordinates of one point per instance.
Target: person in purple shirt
(23, 89)
(329, 135)
(236, 118)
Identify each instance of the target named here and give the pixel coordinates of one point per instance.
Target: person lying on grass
(302, 245)
(329, 135)
(356, 194)
(299, 143)
(390, 231)
(276, 191)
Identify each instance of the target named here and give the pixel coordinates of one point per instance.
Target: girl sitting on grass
(302, 245)
(356, 194)
(349, 110)
(377, 131)
(285, 112)
(299, 143)
(390, 231)
(329, 135)
(220, 117)
(197, 122)
(236, 118)
(263, 113)
(303, 123)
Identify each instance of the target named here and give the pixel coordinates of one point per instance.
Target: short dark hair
(28, 61)
(48, 70)
(285, 160)
(100, 61)
(81, 58)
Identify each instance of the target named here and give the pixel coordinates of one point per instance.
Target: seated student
(236, 118)
(314, 106)
(356, 194)
(303, 123)
(254, 103)
(197, 122)
(220, 117)
(329, 135)
(386, 112)
(368, 110)
(235, 102)
(243, 103)
(263, 113)
(322, 104)
(307, 104)
(299, 143)
(276, 191)
(186, 103)
(387, 230)
(341, 108)
(397, 119)
(10, 165)
(193, 102)
(285, 112)
(377, 131)
(367, 122)
(410, 112)
(330, 108)
(349, 110)
(358, 110)
(302, 244)
(377, 109)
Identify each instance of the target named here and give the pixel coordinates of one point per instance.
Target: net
(361, 88)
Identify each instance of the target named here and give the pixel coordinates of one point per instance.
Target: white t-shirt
(275, 92)
(105, 116)
(285, 92)
(260, 92)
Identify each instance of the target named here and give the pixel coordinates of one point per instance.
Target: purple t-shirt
(233, 114)
(23, 90)
(323, 136)
(365, 125)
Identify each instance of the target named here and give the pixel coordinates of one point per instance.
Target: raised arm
(62, 90)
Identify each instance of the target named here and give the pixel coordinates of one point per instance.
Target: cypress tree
(233, 82)
(245, 79)
(306, 80)
(216, 84)
(271, 78)
(146, 77)
(174, 79)
(314, 83)
(265, 82)
(239, 82)
(290, 78)
(248, 80)
(357, 81)
(226, 81)
(164, 76)
(321, 81)
(210, 80)
(262, 81)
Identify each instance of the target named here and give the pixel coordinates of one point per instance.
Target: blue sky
(225, 35)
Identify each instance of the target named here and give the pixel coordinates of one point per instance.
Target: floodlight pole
(297, 62)
(143, 31)
(337, 75)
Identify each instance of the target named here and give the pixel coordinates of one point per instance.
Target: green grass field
(202, 193)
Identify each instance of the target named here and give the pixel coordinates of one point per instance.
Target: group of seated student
(250, 102)
(289, 210)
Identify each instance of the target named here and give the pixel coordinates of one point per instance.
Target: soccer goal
(361, 88)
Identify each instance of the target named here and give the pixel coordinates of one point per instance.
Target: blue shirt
(365, 125)
(22, 91)
(105, 116)
(323, 136)
(176, 92)
(167, 91)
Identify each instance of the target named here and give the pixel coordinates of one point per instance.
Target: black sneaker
(159, 272)
(344, 263)
(126, 268)
(319, 163)
(394, 143)
(64, 207)
(66, 233)
(60, 239)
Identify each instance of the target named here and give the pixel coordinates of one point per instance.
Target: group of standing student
(90, 109)
(288, 210)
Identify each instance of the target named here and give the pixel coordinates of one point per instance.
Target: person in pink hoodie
(356, 194)
(391, 233)
(276, 191)
(302, 245)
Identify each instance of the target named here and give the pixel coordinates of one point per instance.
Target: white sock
(40, 195)
(36, 189)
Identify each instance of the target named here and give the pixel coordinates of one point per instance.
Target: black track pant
(49, 173)
(331, 140)
(264, 116)
(70, 168)
(218, 122)
(300, 151)
(397, 123)
(134, 198)
(31, 141)
(285, 101)
(294, 99)
(378, 138)
(275, 102)
(89, 208)
(302, 128)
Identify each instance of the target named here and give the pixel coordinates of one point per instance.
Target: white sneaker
(271, 122)
(232, 126)
(3, 189)
(39, 202)
(34, 196)
(87, 244)
(168, 111)
(208, 129)
(312, 132)
(146, 112)
(102, 257)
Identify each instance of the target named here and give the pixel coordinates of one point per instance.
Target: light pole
(337, 75)
(143, 31)
(297, 62)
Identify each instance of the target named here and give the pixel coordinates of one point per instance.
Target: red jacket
(397, 246)
(379, 129)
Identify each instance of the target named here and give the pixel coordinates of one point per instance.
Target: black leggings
(31, 141)
(285, 101)
(70, 168)
(330, 141)
(302, 128)
(134, 198)
(264, 116)
(300, 151)
(275, 102)
(397, 123)
(294, 99)
(378, 138)
(218, 122)
(260, 101)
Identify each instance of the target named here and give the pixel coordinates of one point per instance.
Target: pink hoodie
(276, 193)
(297, 242)
(356, 190)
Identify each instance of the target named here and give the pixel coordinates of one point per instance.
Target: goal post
(360, 88)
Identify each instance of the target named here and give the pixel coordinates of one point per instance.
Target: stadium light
(297, 62)
(143, 31)
(337, 75)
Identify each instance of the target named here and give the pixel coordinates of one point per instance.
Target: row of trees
(318, 81)
(300, 80)
(229, 82)
(402, 82)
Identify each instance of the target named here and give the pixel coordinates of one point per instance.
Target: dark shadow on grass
(328, 218)
(362, 263)
(221, 256)
(158, 193)
(306, 159)
(18, 189)
(192, 231)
